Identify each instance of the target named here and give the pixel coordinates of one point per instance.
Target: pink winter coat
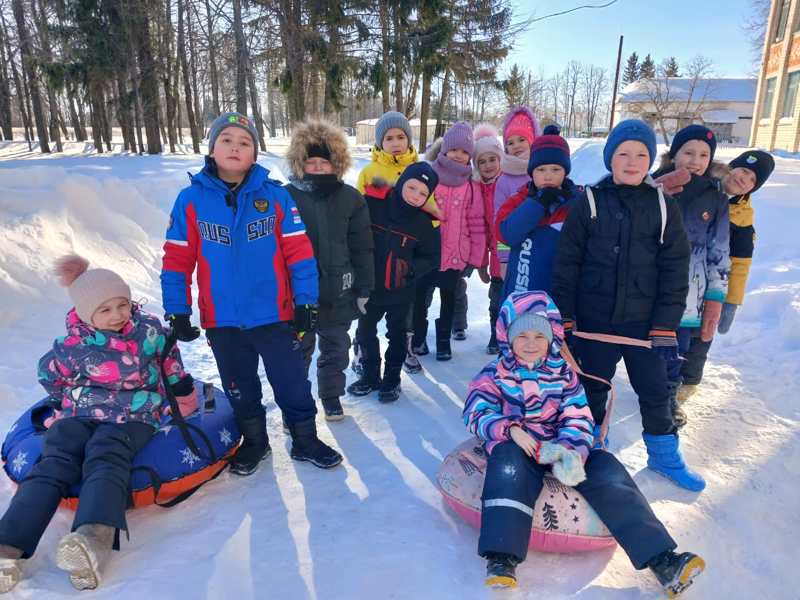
(490, 256)
(463, 228)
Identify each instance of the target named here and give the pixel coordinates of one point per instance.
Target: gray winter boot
(10, 570)
(84, 552)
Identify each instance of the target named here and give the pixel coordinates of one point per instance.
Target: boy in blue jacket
(258, 289)
(530, 222)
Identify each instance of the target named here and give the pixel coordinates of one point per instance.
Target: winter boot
(419, 345)
(501, 571)
(492, 347)
(443, 351)
(411, 364)
(390, 385)
(676, 572)
(369, 381)
(459, 335)
(10, 568)
(333, 409)
(357, 366)
(678, 416)
(255, 445)
(664, 457)
(307, 446)
(596, 432)
(84, 552)
(685, 392)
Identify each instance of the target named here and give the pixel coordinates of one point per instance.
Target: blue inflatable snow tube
(165, 470)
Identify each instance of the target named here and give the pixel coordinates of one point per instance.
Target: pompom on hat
(486, 142)
(550, 149)
(89, 288)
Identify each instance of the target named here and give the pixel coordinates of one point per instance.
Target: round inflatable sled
(562, 520)
(165, 471)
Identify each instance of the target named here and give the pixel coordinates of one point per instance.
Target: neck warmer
(450, 172)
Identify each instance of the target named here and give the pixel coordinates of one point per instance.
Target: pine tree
(671, 68)
(631, 72)
(647, 70)
(513, 87)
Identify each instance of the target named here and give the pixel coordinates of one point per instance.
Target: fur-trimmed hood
(323, 133)
(433, 150)
(524, 110)
(716, 169)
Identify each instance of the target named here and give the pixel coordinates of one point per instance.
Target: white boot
(84, 552)
(10, 568)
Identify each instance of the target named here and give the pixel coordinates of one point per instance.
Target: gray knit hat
(388, 121)
(530, 322)
(89, 288)
(232, 119)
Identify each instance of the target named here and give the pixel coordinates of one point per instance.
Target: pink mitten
(674, 181)
(187, 404)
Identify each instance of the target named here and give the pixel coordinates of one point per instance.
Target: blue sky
(683, 28)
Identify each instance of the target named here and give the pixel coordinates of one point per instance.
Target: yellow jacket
(385, 169)
(743, 237)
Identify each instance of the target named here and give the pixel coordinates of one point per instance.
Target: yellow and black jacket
(743, 238)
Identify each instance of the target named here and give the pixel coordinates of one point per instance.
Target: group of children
(615, 270)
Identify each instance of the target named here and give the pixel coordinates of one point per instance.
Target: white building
(723, 105)
(365, 130)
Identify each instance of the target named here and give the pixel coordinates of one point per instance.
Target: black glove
(184, 330)
(467, 271)
(549, 196)
(184, 386)
(305, 318)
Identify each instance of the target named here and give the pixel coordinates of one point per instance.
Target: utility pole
(616, 83)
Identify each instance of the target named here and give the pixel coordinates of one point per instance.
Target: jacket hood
(320, 133)
(380, 156)
(208, 177)
(519, 303)
(432, 153)
(75, 326)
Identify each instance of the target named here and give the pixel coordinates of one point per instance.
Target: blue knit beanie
(630, 130)
(232, 119)
(421, 171)
(391, 120)
(549, 149)
(693, 132)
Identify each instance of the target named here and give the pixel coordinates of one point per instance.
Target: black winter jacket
(337, 223)
(407, 246)
(613, 269)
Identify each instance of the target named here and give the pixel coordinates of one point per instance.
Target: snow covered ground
(377, 527)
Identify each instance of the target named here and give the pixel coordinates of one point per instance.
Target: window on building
(783, 16)
(769, 92)
(791, 95)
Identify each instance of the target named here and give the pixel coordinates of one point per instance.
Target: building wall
(779, 60)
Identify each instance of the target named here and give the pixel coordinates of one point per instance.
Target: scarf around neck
(450, 172)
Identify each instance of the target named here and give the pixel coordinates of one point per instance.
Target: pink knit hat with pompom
(89, 288)
(486, 142)
(520, 121)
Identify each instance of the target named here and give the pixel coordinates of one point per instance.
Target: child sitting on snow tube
(106, 379)
(529, 408)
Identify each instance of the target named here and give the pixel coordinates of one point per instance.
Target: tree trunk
(95, 112)
(28, 59)
(398, 59)
(290, 20)
(77, 126)
(254, 102)
(385, 46)
(198, 112)
(40, 20)
(425, 103)
(187, 87)
(442, 104)
(271, 101)
(149, 87)
(241, 58)
(411, 97)
(212, 58)
(5, 91)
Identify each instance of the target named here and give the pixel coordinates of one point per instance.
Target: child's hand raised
(525, 440)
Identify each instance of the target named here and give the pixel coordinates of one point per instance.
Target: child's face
(395, 141)
(518, 146)
(415, 192)
(630, 163)
(694, 156)
(233, 153)
(488, 166)
(458, 155)
(548, 176)
(739, 181)
(113, 314)
(317, 166)
(530, 346)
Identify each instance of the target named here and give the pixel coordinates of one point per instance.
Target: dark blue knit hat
(549, 149)
(693, 132)
(421, 171)
(759, 162)
(624, 131)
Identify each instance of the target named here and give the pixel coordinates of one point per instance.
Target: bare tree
(595, 84)
(755, 29)
(28, 62)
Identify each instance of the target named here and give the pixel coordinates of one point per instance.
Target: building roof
(712, 90)
(720, 116)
